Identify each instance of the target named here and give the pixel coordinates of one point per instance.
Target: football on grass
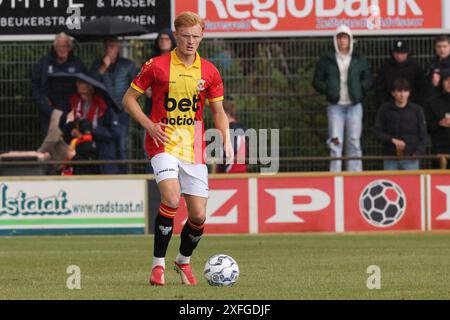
(221, 270)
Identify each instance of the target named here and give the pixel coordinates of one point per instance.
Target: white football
(221, 270)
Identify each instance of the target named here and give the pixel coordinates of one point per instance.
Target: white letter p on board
(285, 206)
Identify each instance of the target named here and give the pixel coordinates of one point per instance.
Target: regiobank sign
(254, 18)
(42, 19)
(72, 207)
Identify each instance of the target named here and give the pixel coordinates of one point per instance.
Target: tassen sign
(250, 18)
(72, 206)
(48, 17)
(326, 204)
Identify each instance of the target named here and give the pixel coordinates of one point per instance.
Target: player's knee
(171, 200)
(197, 217)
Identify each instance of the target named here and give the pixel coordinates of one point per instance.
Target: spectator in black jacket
(400, 126)
(60, 59)
(439, 63)
(400, 66)
(438, 114)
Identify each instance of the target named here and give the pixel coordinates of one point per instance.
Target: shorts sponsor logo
(166, 170)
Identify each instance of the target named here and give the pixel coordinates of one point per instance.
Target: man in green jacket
(344, 77)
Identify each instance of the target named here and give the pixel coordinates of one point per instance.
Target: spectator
(438, 114)
(237, 133)
(440, 62)
(60, 59)
(401, 128)
(344, 77)
(400, 66)
(164, 43)
(89, 104)
(116, 73)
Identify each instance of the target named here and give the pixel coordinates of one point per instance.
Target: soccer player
(180, 81)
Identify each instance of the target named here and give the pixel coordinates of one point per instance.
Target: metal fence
(270, 81)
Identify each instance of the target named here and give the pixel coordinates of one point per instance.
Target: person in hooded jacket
(438, 118)
(59, 59)
(400, 66)
(344, 77)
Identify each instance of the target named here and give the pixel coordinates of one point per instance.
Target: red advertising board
(227, 210)
(326, 204)
(296, 205)
(234, 18)
(376, 203)
(439, 202)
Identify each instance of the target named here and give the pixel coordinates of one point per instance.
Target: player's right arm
(131, 106)
(143, 81)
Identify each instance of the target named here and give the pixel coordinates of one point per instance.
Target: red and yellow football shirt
(178, 98)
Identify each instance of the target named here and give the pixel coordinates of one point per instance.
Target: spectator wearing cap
(438, 117)
(400, 126)
(440, 62)
(400, 66)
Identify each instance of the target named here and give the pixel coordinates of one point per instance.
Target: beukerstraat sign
(250, 18)
(31, 19)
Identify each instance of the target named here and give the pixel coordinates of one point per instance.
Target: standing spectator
(400, 66)
(116, 73)
(59, 59)
(237, 132)
(89, 104)
(401, 128)
(344, 77)
(440, 62)
(438, 114)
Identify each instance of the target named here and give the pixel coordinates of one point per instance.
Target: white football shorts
(193, 177)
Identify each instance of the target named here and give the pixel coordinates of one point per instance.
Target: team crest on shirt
(201, 85)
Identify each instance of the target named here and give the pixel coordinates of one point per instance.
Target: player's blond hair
(188, 19)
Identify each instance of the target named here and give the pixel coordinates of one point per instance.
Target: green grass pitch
(300, 266)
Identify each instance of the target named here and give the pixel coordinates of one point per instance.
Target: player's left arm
(221, 123)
